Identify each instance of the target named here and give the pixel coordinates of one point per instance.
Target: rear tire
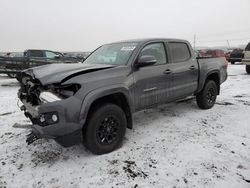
(248, 69)
(105, 129)
(232, 62)
(207, 97)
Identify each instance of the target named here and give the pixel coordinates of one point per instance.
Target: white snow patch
(173, 145)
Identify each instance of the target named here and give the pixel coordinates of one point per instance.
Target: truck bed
(208, 65)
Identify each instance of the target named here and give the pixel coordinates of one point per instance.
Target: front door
(153, 83)
(53, 57)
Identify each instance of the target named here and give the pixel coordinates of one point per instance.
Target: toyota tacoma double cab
(93, 102)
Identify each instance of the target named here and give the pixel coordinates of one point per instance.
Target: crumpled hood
(56, 73)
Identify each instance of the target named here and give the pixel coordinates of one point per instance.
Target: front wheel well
(216, 78)
(118, 99)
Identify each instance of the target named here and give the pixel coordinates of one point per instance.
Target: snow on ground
(174, 145)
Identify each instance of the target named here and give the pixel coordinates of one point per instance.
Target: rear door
(152, 83)
(184, 69)
(36, 58)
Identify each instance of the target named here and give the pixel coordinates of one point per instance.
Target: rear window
(180, 51)
(248, 47)
(36, 53)
(237, 51)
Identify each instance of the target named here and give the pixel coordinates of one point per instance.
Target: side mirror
(146, 60)
(57, 56)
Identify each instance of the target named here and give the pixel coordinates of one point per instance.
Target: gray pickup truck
(93, 102)
(33, 58)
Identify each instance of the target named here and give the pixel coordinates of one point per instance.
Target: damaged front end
(46, 106)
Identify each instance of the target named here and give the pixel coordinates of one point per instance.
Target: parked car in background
(227, 54)
(210, 53)
(93, 102)
(246, 58)
(236, 56)
(33, 58)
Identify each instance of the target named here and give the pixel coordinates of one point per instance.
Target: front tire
(207, 97)
(105, 129)
(12, 75)
(248, 69)
(232, 62)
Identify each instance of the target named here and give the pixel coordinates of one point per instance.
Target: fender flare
(202, 83)
(99, 93)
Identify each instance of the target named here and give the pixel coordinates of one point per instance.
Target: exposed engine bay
(33, 94)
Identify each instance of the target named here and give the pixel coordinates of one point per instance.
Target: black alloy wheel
(108, 130)
(211, 95)
(105, 128)
(206, 98)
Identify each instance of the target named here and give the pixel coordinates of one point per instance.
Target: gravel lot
(174, 145)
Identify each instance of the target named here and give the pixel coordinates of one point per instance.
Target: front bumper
(65, 141)
(67, 131)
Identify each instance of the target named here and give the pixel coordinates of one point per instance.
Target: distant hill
(81, 54)
(220, 47)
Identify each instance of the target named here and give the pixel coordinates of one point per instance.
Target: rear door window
(179, 51)
(36, 53)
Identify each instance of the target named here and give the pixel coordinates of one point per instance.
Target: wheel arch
(215, 76)
(116, 95)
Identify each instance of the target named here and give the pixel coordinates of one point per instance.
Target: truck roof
(40, 50)
(145, 40)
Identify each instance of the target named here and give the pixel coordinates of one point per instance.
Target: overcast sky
(83, 25)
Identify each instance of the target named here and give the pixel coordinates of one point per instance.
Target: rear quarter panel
(211, 65)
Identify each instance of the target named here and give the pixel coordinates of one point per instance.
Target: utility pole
(228, 44)
(194, 41)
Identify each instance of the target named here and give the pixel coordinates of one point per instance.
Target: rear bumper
(235, 59)
(246, 61)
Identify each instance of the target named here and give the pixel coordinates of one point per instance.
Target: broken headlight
(58, 92)
(46, 96)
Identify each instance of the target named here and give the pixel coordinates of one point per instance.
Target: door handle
(192, 67)
(168, 71)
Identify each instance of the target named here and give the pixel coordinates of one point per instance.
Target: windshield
(113, 54)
